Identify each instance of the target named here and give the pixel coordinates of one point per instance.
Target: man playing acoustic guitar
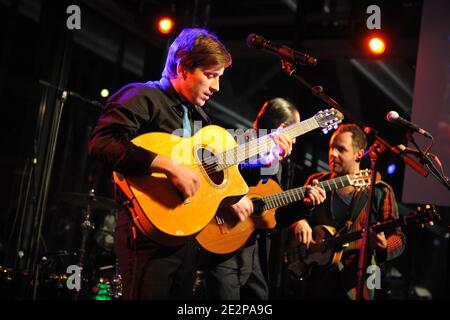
(195, 62)
(342, 210)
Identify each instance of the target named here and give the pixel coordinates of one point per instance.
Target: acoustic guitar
(224, 236)
(329, 246)
(159, 210)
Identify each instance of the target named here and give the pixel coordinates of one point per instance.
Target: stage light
(377, 45)
(391, 168)
(104, 93)
(165, 25)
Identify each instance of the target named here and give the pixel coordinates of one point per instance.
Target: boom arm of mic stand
(291, 70)
(425, 159)
(416, 166)
(435, 172)
(72, 93)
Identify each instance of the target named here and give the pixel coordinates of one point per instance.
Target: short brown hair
(359, 139)
(193, 48)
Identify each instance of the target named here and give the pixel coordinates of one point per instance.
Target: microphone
(405, 149)
(401, 150)
(416, 166)
(393, 117)
(284, 52)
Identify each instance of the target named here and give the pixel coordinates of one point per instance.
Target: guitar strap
(358, 203)
(360, 199)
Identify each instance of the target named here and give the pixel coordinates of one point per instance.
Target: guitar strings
(281, 198)
(237, 152)
(253, 148)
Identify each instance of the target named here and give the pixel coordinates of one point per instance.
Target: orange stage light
(377, 45)
(165, 25)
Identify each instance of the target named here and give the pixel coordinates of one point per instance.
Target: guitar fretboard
(339, 241)
(261, 145)
(293, 195)
(335, 243)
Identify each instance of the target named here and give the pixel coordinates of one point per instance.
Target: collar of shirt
(175, 102)
(166, 85)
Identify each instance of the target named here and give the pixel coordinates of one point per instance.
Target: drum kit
(100, 278)
(103, 281)
(90, 202)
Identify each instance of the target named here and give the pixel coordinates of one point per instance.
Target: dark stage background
(118, 44)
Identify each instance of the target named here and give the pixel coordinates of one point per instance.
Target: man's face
(198, 85)
(342, 156)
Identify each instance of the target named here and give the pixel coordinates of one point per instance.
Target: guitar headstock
(360, 179)
(328, 119)
(424, 214)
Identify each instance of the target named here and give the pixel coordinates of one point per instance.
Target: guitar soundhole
(209, 163)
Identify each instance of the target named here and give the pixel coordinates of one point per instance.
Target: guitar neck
(340, 240)
(262, 145)
(293, 195)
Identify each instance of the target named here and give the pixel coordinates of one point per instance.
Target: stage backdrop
(431, 103)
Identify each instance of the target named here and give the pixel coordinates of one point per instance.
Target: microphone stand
(42, 197)
(427, 159)
(377, 148)
(291, 70)
(373, 152)
(86, 228)
(45, 183)
(72, 94)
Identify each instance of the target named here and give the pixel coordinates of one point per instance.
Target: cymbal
(83, 200)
